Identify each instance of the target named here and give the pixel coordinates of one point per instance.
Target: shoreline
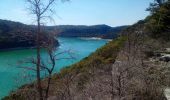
(33, 47)
(94, 38)
(86, 37)
(17, 48)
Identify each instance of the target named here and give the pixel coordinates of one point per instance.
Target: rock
(165, 58)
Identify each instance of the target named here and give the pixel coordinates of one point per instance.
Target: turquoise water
(11, 76)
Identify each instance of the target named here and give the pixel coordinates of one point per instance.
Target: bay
(12, 77)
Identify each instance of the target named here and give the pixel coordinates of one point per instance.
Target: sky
(81, 12)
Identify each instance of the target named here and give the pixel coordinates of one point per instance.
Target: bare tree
(48, 66)
(41, 9)
(51, 63)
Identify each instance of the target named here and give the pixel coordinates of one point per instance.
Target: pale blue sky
(82, 12)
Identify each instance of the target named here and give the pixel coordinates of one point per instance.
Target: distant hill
(16, 35)
(102, 31)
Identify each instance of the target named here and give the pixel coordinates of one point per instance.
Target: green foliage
(159, 21)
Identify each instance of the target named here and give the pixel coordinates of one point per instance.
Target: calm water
(12, 77)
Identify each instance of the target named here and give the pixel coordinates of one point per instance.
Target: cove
(12, 77)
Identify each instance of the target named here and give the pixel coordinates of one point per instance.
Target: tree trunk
(119, 86)
(48, 86)
(38, 62)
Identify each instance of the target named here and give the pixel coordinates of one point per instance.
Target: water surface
(12, 77)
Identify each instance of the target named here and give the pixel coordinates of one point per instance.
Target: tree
(160, 2)
(41, 9)
(50, 63)
(158, 23)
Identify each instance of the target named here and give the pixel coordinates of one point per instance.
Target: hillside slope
(78, 73)
(127, 68)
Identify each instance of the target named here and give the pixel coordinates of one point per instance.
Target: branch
(46, 8)
(66, 51)
(46, 68)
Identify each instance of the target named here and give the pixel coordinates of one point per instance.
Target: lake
(11, 76)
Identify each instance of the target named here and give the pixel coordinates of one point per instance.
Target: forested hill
(18, 35)
(15, 35)
(102, 31)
